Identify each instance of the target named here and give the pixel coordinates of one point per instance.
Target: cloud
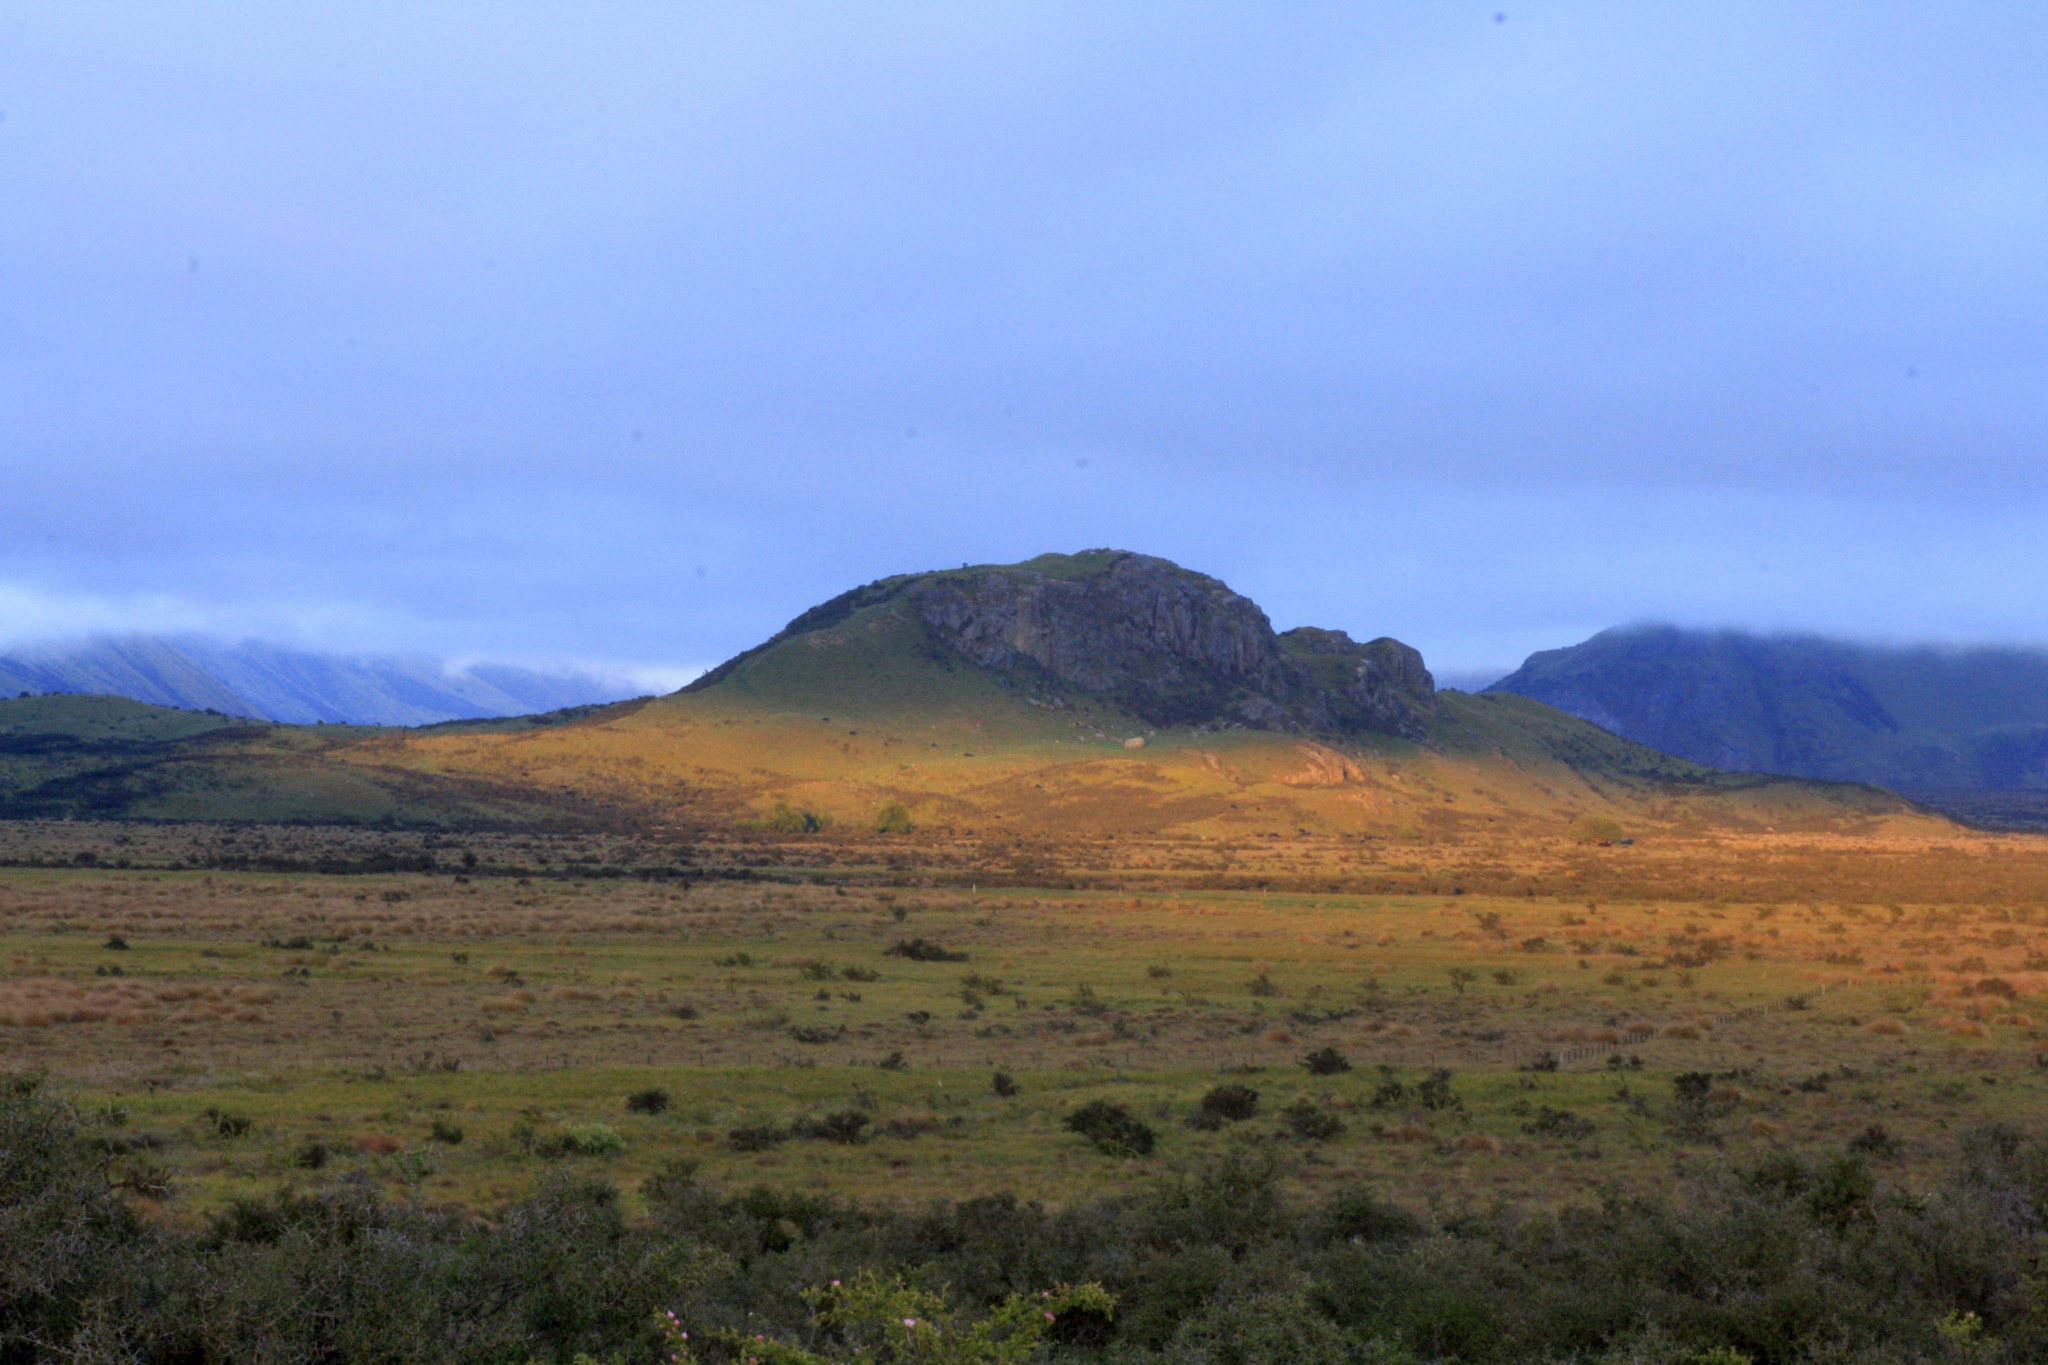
(508, 332)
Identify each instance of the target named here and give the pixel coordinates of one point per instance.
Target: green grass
(1146, 1001)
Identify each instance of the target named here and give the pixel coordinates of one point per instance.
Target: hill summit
(1164, 644)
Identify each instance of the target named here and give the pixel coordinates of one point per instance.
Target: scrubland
(467, 1022)
(1283, 1096)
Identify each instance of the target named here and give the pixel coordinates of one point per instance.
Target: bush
(649, 1101)
(1434, 1091)
(1233, 1102)
(847, 1126)
(1112, 1127)
(227, 1125)
(923, 950)
(757, 1137)
(446, 1131)
(784, 819)
(1307, 1119)
(893, 818)
(1559, 1123)
(1326, 1061)
(580, 1139)
(1597, 829)
(1003, 1085)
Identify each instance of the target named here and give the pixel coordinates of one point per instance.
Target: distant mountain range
(1924, 721)
(266, 682)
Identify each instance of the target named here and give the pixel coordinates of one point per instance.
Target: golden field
(437, 1029)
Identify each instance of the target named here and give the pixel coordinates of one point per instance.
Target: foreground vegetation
(1786, 1259)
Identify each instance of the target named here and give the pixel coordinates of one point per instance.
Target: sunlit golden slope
(845, 721)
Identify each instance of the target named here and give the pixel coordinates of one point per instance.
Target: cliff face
(1168, 645)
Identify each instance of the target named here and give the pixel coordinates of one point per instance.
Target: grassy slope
(845, 719)
(109, 756)
(868, 711)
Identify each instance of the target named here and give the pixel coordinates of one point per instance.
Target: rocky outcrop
(1170, 646)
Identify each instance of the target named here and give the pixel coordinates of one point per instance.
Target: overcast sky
(616, 334)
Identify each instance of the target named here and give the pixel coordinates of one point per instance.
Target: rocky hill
(1087, 697)
(1920, 720)
(1169, 646)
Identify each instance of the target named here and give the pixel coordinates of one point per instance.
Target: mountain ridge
(268, 682)
(1915, 719)
(1086, 697)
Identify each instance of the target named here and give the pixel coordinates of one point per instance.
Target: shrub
(227, 1125)
(1003, 1085)
(785, 819)
(893, 818)
(757, 1137)
(860, 974)
(1112, 1127)
(649, 1101)
(846, 1126)
(1306, 1119)
(1434, 1091)
(815, 1033)
(446, 1131)
(1558, 1123)
(595, 1139)
(1233, 1102)
(922, 950)
(311, 1155)
(1597, 829)
(1326, 1061)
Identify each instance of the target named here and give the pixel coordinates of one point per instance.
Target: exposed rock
(1168, 645)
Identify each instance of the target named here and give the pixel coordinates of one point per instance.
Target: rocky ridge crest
(1170, 646)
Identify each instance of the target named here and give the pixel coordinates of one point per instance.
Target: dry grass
(752, 1001)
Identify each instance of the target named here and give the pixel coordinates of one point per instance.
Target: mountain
(1108, 693)
(1086, 697)
(265, 682)
(1919, 720)
(1163, 644)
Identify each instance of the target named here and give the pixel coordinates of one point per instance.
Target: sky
(615, 335)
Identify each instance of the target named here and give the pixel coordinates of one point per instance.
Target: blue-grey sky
(617, 334)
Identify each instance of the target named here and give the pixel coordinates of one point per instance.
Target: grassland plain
(456, 1033)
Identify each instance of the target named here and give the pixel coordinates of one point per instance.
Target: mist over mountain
(1921, 720)
(272, 683)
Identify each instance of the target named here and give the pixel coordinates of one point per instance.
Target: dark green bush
(647, 1101)
(1232, 1101)
(923, 950)
(1307, 1119)
(1326, 1061)
(1112, 1127)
